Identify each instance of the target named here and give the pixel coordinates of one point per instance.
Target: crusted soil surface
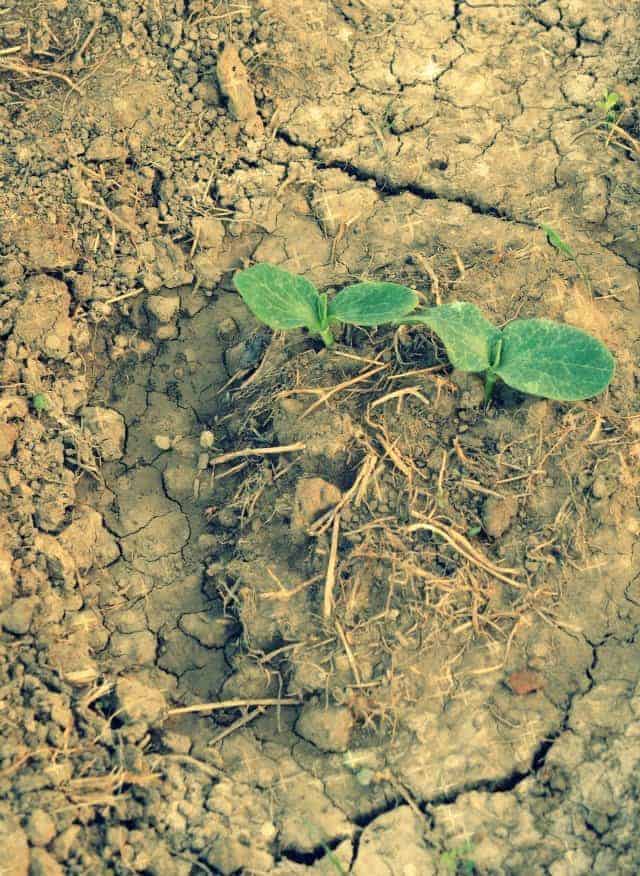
(271, 608)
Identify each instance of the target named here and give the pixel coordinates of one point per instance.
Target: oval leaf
(372, 303)
(468, 337)
(554, 360)
(279, 299)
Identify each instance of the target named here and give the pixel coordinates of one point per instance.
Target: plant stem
(327, 336)
(489, 383)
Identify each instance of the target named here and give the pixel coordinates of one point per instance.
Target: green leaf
(372, 303)
(468, 337)
(557, 242)
(553, 360)
(40, 402)
(279, 299)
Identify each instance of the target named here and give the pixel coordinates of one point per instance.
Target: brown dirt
(407, 644)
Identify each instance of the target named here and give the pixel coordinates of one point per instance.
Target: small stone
(207, 440)
(108, 429)
(498, 515)
(44, 864)
(17, 618)
(103, 148)
(14, 847)
(313, 497)
(40, 827)
(7, 579)
(327, 727)
(163, 307)
(180, 743)
(136, 701)
(162, 442)
(209, 232)
(206, 265)
(526, 681)
(8, 436)
(66, 842)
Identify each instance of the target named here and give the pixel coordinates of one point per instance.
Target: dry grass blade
(357, 489)
(257, 451)
(330, 580)
(22, 69)
(232, 704)
(464, 547)
(326, 394)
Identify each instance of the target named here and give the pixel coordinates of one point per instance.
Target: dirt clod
(327, 727)
(498, 515)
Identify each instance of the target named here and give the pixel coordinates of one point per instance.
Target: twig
(241, 722)
(349, 653)
(113, 217)
(24, 70)
(232, 704)
(330, 580)
(459, 543)
(257, 451)
(11, 50)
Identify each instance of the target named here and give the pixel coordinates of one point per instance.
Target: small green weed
(558, 243)
(40, 403)
(609, 104)
(457, 860)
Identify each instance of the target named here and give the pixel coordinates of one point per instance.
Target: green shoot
(609, 105)
(286, 301)
(558, 243)
(40, 403)
(536, 356)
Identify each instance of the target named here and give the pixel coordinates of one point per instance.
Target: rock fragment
(108, 430)
(327, 727)
(137, 701)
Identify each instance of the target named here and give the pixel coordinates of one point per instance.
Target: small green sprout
(537, 356)
(609, 105)
(460, 855)
(40, 403)
(287, 301)
(558, 243)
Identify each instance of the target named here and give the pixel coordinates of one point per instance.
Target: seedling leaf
(279, 299)
(468, 337)
(372, 304)
(553, 360)
(557, 242)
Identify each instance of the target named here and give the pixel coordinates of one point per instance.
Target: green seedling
(458, 859)
(40, 403)
(286, 301)
(609, 105)
(554, 239)
(537, 356)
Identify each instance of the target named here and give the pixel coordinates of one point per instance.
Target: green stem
(489, 383)
(327, 336)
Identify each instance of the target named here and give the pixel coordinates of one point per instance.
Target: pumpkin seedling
(286, 301)
(537, 356)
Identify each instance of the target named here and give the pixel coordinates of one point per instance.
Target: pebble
(17, 618)
(207, 440)
(40, 827)
(163, 307)
(327, 727)
(162, 442)
(139, 702)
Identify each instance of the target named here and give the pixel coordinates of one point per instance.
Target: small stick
(10, 51)
(349, 653)
(25, 70)
(241, 722)
(330, 580)
(130, 294)
(113, 217)
(258, 451)
(232, 704)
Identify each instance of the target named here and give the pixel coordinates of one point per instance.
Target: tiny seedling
(609, 105)
(286, 301)
(458, 859)
(40, 402)
(554, 239)
(537, 356)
